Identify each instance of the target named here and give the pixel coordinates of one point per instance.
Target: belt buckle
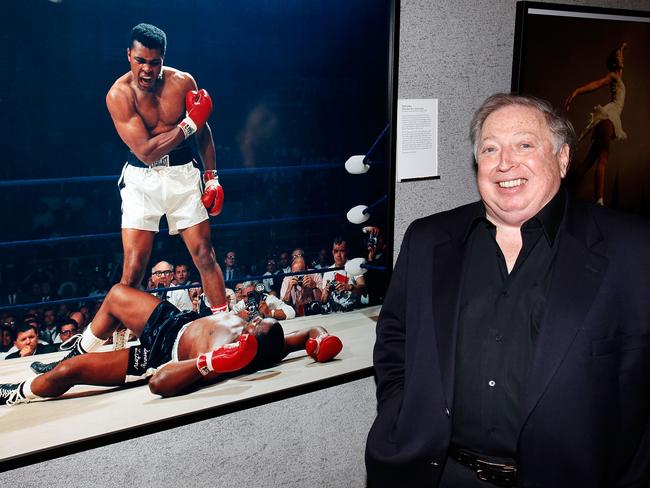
(161, 163)
(495, 473)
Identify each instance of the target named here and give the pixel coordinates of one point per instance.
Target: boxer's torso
(162, 108)
(208, 333)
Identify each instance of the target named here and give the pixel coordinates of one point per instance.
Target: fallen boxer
(178, 351)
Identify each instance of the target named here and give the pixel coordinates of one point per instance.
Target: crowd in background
(258, 288)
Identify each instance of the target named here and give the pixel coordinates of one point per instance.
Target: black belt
(500, 474)
(177, 157)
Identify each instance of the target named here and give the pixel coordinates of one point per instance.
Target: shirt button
(498, 337)
(447, 412)
(434, 463)
(491, 383)
(505, 293)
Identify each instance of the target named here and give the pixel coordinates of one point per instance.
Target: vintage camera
(371, 241)
(300, 279)
(253, 299)
(252, 303)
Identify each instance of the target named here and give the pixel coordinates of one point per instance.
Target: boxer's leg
(125, 305)
(122, 304)
(197, 240)
(137, 246)
(102, 369)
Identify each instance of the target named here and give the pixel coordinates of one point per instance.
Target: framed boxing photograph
(592, 64)
(286, 117)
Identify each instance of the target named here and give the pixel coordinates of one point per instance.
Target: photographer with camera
(341, 291)
(376, 280)
(254, 302)
(302, 291)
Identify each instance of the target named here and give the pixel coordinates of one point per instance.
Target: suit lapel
(579, 270)
(446, 285)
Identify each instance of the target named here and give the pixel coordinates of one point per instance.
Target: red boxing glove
(324, 347)
(229, 357)
(199, 107)
(212, 197)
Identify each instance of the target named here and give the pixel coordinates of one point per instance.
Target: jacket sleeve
(388, 357)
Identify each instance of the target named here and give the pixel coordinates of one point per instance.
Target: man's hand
(308, 282)
(28, 350)
(372, 250)
(212, 197)
(340, 287)
(244, 314)
(195, 297)
(229, 357)
(199, 107)
(264, 309)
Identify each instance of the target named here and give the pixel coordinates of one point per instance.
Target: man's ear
(563, 157)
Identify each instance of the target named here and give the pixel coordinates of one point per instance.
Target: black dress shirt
(500, 316)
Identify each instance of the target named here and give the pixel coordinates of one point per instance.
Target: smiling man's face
(519, 170)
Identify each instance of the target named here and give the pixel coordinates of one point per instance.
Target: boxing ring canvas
(88, 416)
(298, 88)
(560, 49)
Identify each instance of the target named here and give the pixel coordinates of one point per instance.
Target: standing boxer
(155, 110)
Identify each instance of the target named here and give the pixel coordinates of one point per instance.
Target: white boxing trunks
(149, 193)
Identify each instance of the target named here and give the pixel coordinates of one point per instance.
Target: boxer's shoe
(71, 345)
(11, 394)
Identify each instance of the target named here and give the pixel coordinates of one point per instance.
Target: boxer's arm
(133, 132)
(318, 343)
(205, 144)
(174, 379)
(296, 341)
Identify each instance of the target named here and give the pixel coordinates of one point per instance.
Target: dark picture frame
(374, 120)
(568, 53)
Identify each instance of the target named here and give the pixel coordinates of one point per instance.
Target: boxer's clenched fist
(324, 347)
(212, 197)
(229, 357)
(199, 107)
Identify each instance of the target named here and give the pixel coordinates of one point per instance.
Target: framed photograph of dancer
(592, 64)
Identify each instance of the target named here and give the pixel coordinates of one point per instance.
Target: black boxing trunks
(161, 330)
(181, 154)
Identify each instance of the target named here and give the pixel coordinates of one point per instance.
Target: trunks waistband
(177, 157)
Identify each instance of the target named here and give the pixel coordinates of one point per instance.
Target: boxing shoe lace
(11, 394)
(69, 345)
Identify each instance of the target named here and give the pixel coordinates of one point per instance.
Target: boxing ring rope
(222, 172)
(107, 235)
(360, 163)
(361, 213)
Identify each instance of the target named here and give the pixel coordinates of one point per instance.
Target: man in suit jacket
(513, 346)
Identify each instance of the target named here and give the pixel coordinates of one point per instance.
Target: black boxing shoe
(12, 394)
(73, 345)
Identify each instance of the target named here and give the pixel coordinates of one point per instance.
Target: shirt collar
(549, 218)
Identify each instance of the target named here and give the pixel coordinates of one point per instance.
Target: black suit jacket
(587, 405)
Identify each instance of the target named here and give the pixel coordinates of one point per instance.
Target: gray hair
(561, 129)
